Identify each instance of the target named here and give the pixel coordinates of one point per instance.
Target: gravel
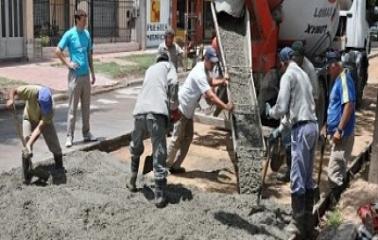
(246, 116)
(90, 201)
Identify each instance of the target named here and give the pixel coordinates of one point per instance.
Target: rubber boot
(309, 217)
(131, 182)
(296, 227)
(160, 198)
(285, 177)
(58, 158)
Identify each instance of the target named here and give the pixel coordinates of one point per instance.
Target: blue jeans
(303, 143)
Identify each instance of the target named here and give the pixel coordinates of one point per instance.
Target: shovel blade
(27, 169)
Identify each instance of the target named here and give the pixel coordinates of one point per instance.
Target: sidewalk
(49, 73)
(53, 74)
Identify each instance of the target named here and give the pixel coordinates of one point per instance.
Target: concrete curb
(321, 208)
(97, 90)
(373, 55)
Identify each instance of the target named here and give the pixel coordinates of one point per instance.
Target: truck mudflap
(234, 38)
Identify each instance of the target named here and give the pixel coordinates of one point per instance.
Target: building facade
(27, 26)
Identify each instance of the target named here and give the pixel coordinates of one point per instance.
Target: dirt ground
(208, 165)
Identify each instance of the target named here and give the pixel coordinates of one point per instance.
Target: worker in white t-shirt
(195, 85)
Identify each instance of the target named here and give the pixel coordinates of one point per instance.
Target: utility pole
(373, 172)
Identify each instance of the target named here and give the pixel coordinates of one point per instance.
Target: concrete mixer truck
(251, 32)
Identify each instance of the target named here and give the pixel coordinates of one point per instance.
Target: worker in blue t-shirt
(340, 123)
(79, 44)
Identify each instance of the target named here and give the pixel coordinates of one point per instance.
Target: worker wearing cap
(156, 105)
(38, 118)
(284, 128)
(302, 61)
(80, 66)
(296, 102)
(340, 123)
(195, 85)
(175, 52)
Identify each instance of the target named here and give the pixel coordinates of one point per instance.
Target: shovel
(27, 165)
(320, 170)
(265, 170)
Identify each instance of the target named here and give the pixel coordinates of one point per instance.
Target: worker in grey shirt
(157, 99)
(284, 129)
(175, 52)
(296, 101)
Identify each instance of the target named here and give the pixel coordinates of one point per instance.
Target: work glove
(267, 110)
(274, 135)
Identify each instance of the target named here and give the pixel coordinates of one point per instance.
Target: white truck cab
(356, 26)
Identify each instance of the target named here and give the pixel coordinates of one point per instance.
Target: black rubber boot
(286, 176)
(296, 227)
(58, 158)
(309, 217)
(131, 182)
(160, 198)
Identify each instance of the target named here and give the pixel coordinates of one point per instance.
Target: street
(111, 116)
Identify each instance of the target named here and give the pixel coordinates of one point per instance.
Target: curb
(321, 208)
(373, 55)
(107, 145)
(99, 90)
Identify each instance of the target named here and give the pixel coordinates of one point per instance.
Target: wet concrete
(90, 201)
(246, 116)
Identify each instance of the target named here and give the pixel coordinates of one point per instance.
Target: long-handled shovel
(320, 170)
(27, 165)
(265, 170)
(322, 149)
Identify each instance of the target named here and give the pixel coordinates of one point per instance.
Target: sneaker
(89, 137)
(177, 170)
(69, 142)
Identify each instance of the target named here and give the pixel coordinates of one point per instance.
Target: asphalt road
(111, 116)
